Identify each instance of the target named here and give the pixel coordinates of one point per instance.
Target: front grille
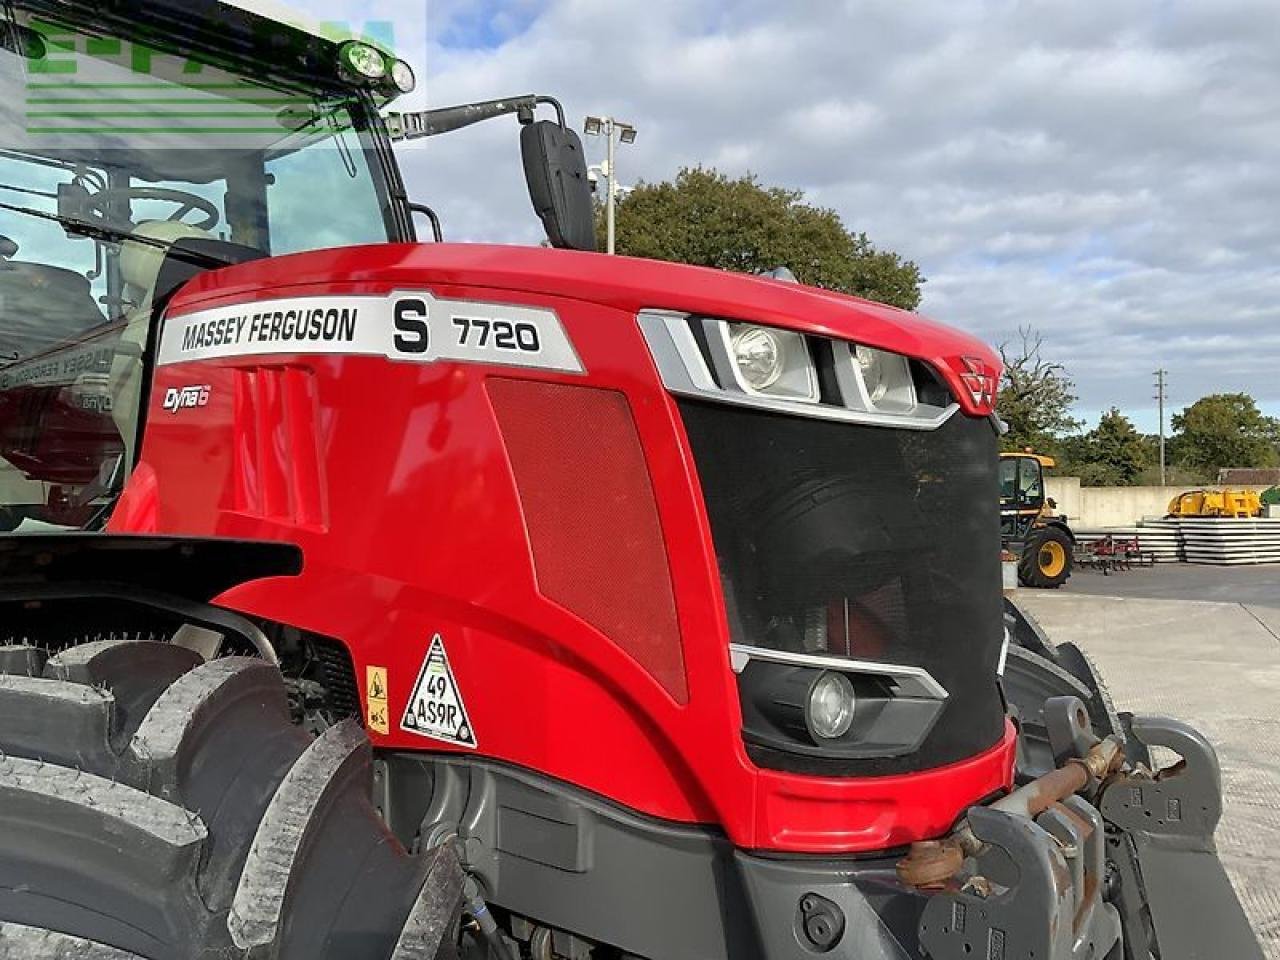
(864, 542)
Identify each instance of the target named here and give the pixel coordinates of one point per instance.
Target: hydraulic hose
(475, 906)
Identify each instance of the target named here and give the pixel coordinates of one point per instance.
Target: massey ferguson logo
(177, 399)
(980, 380)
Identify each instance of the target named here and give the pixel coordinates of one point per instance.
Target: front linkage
(1099, 859)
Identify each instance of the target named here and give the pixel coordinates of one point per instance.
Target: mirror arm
(437, 231)
(431, 123)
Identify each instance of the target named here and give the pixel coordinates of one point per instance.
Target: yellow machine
(1216, 503)
(1041, 540)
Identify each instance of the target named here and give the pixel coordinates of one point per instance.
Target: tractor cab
(1042, 542)
(1022, 493)
(127, 166)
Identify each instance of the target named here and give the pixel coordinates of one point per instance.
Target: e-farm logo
(82, 88)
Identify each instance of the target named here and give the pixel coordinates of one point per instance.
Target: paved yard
(1256, 586)
(1214, 663)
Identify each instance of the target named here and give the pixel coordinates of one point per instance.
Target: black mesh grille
(865, 542)
(338, 676)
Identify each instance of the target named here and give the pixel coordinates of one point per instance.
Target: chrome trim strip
(685, 372)
(915, 682)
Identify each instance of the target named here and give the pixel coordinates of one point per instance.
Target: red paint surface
(395, 481)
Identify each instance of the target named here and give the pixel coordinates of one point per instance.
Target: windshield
(147, 149)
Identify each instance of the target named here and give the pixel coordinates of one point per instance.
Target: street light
(614, 130)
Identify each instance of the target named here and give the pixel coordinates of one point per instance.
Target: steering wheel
(100, 202)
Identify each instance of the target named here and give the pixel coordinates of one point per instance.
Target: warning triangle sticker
(435, 707)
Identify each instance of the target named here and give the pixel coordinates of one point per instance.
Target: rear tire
(160, 807)
(1046, 558)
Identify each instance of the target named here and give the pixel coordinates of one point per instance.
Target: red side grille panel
(278, 470)
(592, 519)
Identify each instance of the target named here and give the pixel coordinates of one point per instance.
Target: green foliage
(1215, 432)
(1035, 397)
(706, 218)
(1112, 454)
(1174, 476)
(1224, 430)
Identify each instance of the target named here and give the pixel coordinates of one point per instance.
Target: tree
(1225, 430)
(1035, 396)
(706, 218)
(1113, 453)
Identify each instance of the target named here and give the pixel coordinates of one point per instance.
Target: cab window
(1030, 481)
(1008, 478)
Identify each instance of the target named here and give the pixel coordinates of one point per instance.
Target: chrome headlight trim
(685, 371)
(916, 683)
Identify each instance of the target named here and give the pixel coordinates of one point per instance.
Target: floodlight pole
(611, 205)
(611, 130)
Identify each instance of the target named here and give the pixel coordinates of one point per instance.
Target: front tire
(156, 806)
(1046, 558)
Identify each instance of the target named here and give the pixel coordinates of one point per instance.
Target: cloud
(1104, 172)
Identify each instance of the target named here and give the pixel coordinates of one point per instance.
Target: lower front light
(831, 706)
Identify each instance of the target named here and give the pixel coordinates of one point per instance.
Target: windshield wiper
(105, 234)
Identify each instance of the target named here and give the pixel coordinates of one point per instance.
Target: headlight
(886, 379)
(364, 60)
(759, 356)
(770, 362)
(403, 77)
(832, 702)
(873, 373)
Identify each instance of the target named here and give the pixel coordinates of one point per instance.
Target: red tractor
(429, 600)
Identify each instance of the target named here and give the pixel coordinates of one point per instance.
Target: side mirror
(555, 167)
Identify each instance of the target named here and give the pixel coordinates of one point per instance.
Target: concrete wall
(1092, 507)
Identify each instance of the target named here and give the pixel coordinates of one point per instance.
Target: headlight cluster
(802, 374)
(776, 364)
(367, 63)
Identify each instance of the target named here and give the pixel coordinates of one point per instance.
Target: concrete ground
(1252, 585)
(1201, 644)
